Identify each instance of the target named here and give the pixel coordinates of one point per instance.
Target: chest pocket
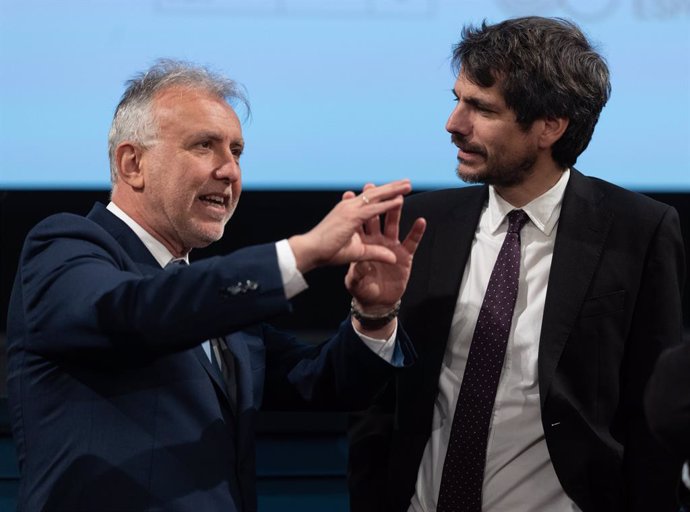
(604, 304)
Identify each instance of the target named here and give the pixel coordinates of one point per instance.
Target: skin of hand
(377, 286)
(338, 238)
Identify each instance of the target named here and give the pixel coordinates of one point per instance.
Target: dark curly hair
(545, 68)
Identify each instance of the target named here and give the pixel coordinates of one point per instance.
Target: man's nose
(228, 166)
(459, 121)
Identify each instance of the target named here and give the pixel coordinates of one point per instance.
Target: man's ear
(128, 160)
(554, 127)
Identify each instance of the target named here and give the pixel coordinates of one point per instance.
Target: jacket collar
(127, 239)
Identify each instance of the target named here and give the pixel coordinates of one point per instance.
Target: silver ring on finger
(365, 199)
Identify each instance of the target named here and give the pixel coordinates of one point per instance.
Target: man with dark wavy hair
(539, 301)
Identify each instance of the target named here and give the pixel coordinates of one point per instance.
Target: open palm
(377, 286)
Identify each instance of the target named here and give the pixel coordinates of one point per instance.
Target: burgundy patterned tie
(463, 469)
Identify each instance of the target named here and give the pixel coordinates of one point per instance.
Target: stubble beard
(509, 174)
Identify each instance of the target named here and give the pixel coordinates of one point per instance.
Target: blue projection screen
(342, 91)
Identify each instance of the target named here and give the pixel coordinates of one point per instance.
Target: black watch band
(373, 321)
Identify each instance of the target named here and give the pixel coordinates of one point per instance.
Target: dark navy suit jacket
(115, 406)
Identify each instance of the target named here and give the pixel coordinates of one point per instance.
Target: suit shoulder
(629, 201)
(58, 220)
(639, 212)
(65, 233)
(66, 225)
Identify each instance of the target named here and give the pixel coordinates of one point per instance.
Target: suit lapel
(213, 373)
(582, 230)
(452, 242)
(143, 259)
(432, 294)
(242, 371)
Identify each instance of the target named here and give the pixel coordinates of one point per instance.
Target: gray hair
(133, 119)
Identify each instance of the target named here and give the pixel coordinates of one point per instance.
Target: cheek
(179, 199)
(512, 144)
(236, 188)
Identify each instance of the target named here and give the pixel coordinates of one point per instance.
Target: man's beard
(497, 173)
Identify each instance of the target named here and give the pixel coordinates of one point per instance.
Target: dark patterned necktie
(463, 468)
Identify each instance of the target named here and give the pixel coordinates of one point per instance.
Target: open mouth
(215, 200)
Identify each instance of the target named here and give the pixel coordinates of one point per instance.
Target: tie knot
(516, 219)
(174, 263)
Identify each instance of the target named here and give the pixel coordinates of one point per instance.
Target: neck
(531, 187)
(131, 208)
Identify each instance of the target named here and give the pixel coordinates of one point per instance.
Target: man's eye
(205, 144)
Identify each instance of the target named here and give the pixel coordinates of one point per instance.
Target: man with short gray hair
(134, 377)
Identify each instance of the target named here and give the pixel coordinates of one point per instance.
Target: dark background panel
(263, 216)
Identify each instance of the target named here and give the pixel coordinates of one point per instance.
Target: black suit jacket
(668, 404)
(115, 406)
(613, 304)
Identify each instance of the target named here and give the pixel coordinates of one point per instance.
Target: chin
(205, 238)
(470, 177)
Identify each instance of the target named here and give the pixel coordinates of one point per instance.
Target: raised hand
(377, 286)
(338, 239)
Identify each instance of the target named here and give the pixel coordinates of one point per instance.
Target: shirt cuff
(387, 349)
(293, 281)
(686, 474)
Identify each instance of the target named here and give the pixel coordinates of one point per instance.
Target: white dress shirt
(293, 280)
(519, 476)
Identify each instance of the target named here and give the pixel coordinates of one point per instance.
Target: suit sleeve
(667, 401)
(76, 289)
(651, 472)
(339, 374)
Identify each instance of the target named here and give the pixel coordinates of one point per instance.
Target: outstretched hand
(376, 286)
(339, 238)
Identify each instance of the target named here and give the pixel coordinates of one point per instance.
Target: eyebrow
(207, 135)
(477, 103)
(216, 137)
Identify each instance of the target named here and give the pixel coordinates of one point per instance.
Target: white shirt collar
(156, 248)
(543, 211)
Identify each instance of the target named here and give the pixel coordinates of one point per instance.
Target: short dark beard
(501, 176)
